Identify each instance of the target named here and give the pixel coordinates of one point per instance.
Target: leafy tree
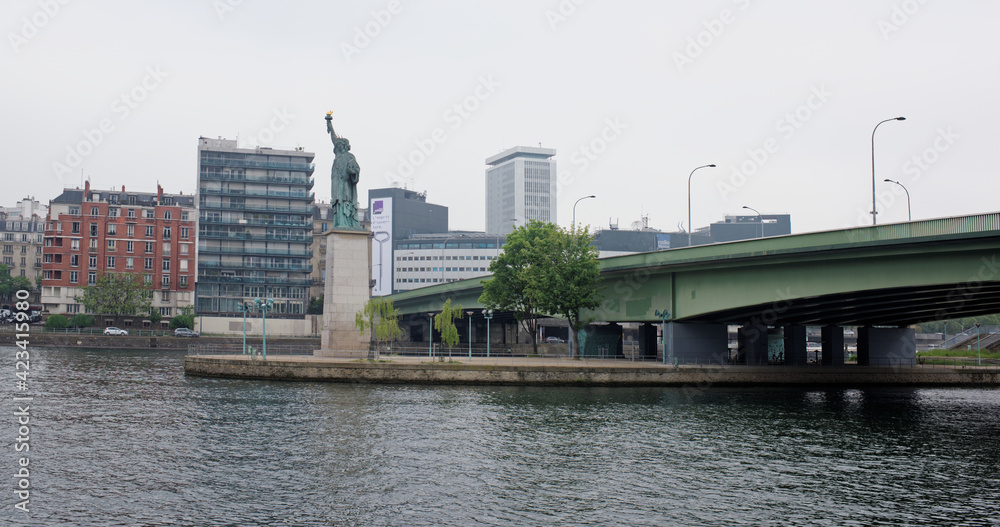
(57, 322)
(117, 295)
(154, 316)
(81, 320)
(184, 320)
(567, 278)
(380, 319)
(315, 306)
(509, 289)
(444, 322)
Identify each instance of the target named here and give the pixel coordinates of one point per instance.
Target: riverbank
(159, 342)
(530, 371)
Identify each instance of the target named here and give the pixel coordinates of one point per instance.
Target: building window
(91, 278)
(93, 211)
(73, 308)
(165, 296)
(166, 281)
(93, 229)
(131, 213)
(130, 230)
(166, 311)
(148, 263)
(113, 212)
(111, 245)
(92, 263)
(75, 211)
(183, 280)
(166, 233)
(184, 266)
(148, 279)
(46, 274)
(184, 215)
(74, 245)
(74, 260)
(93, 243)
(166, 214)
(149, 247)
(166, 264)
(184, 233)
(184, 248)
(75, 228)
(128, 263)
(111, 262)
(74, 276)
(129, 246)
(149, 213)
(149, 231)
(112, 229)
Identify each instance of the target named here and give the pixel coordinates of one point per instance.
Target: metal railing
(235, 347)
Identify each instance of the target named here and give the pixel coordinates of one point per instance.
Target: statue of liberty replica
(344, 181)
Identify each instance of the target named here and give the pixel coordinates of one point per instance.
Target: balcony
(305, 182)
(306, 209)
(265, 267)
(255, 252)
(269, 280)
(310, 196)
(258, 237)
(247, 163)
(261, 223)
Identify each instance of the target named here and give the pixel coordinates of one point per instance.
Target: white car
(115, 331)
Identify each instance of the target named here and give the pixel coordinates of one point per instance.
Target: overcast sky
(782, 95)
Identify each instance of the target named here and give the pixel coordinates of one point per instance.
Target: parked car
(554, 340)
(185, 332)
(111, 330)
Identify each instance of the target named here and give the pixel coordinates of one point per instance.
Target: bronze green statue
(344, 181)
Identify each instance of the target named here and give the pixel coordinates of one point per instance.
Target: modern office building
(89, 232)
(398, 214)
(22, 229)
(427, 259)
(255, 213)
(520, 187)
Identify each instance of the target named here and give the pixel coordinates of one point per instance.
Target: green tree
(81, 320)
(184, 320)
(444, 322)
(315, 306)
(154, 316)
(57, 322)
(380, 319)
(510, 288)
(567, 278)
(117, 295)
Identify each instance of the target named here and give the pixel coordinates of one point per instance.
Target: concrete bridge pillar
(886, 346)
(697, 343)
(753, 342)
(833, 345)
(647, 340)
(795, 346)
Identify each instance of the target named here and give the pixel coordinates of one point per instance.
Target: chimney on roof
(159, 193)
(123, 188)
(86, 190)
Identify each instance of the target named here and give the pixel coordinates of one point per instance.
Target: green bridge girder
(895, 274)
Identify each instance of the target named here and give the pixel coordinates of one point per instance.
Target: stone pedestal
(345, 292)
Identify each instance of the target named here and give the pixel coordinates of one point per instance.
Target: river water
(124, 438)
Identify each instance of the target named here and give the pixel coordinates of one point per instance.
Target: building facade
(520, 186)
(22, 229)
(397, 214)
(255, 233)
(90, 232)
(427, 259)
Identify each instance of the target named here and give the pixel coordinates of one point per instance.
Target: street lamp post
(470, 332)
(909, 215)
(874, 211)
(574, 208)
(264, 306)
(760, 219)
(244, 307)
(979, 348)
(488, 315)
(689, 199)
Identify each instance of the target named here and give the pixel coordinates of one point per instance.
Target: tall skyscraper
(520, 187)
(255, 227)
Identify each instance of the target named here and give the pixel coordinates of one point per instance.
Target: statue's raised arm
(329, 126)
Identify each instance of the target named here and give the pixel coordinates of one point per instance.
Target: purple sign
(377, 207)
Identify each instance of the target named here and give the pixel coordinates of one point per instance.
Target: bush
(182, 321)
(57, 322)
(82, 321)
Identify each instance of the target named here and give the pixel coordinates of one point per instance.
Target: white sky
(230, 69)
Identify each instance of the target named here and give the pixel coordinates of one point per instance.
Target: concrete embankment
(163, 342)
(566, 372)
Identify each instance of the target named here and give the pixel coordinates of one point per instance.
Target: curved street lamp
(574, 208)
(909, 216)
(760, 219)
(689, 198)
(874, 211)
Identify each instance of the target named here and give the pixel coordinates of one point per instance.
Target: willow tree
(380, 319)
(444, 322)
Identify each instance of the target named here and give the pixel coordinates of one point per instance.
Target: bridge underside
(901, 306)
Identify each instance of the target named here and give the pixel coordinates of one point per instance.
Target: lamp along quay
(874, 211)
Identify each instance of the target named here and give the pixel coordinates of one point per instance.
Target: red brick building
(89, 232)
